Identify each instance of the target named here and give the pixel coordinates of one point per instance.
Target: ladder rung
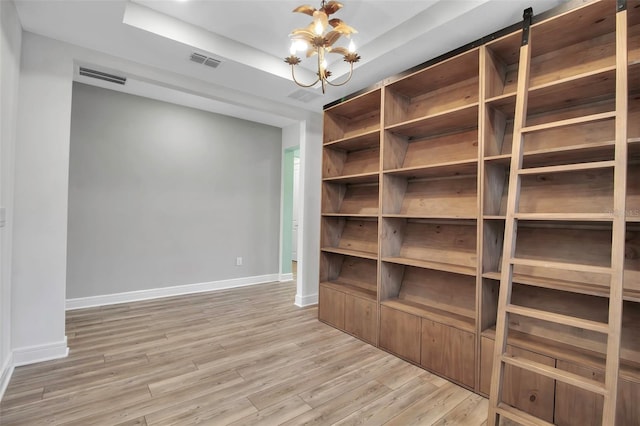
(559, 318)
(561, 265)
(568, 167)
(555, 373)
(520, 416)
(570, 122)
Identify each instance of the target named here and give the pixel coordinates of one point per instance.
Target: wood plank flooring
(244, 356)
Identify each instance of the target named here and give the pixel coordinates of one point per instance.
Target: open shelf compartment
(440, 296)
(350, 236)
(351, 275)
(350, 199)
(444, 246)
(501, 70)
(344, 162)
(353, 118)
(449, 85)
(454, 197)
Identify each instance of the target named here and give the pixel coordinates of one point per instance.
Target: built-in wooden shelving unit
(415, 198)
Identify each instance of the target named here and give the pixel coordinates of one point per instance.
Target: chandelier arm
(293, 75)
(346, 81)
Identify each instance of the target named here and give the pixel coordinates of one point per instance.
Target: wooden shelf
(502, 159)
(460, 219)
(355, 178)
(365, 140)
(350, 252)
(455, 120)
(505, 103)
(450, 169)
(338, 164)
(438, 315)
(569, 286)
(436, 266)
(347, 287)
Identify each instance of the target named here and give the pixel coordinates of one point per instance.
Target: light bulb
(352, 47)
(318, 28)
(324, 64)
(300, 45)
(292, 49)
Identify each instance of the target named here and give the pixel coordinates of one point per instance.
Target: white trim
(39, 353)
(286, 277)
(5, 374)
(155, 293)
(306, 300)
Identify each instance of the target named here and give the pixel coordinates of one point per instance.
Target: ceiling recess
(111, 78)
(205, 60)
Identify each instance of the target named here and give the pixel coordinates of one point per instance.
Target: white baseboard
(286, 277)
(155, 293)
(5, 374)
(308, 300)
(32, 354)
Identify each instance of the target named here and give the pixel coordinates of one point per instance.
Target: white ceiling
(250, 37)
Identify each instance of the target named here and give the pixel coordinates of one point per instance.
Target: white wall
(10, 45)
(163, 195)
(40, 211)
(41, 186)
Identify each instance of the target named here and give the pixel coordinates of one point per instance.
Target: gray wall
(163, 195)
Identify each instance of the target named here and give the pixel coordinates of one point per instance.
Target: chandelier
(319, 39)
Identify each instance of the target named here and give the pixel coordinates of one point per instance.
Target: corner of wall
(5, 374)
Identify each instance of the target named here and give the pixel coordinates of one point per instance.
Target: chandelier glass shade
(319, 39)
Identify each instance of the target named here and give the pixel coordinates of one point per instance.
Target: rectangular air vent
(87, 72)
(205, 60)
(303, 95)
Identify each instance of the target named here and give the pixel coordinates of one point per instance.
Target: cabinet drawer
(331, 307)
(590, 413)
(400, 333)
(522, 389)
(448, 351)
(360, 318)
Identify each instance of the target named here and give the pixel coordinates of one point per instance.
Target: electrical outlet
(238, 261)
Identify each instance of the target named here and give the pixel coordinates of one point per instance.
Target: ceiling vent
(87, 72)
(303, 95)
(205, 60)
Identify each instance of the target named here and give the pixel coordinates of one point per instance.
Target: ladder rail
(504, 297)
(612, 365)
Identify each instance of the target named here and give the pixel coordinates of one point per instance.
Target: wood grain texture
(245, 356)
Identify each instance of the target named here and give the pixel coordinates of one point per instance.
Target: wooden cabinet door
(448, 351)
(568, 398)
(400, 333)
(522, 389)
(360, 318)
(331, 307)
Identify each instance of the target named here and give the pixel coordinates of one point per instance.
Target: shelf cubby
(351, 275)
(350, 236)
(454, 197)
(350, 199)
(580, 192)
(348, 163)
(501, 70)
(451, 85)
(440, 296)
(496, 187)
(355, 118)
(443, 246)
(498, 131)
(567, 45)
(404, 153)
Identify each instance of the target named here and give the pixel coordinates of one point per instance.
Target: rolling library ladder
(616, 216)
(480, 216)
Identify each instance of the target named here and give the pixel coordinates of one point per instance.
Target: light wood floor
(241, 356)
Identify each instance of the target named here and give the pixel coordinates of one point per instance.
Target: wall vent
(88, 72)
(205, 60)
(303, 95)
